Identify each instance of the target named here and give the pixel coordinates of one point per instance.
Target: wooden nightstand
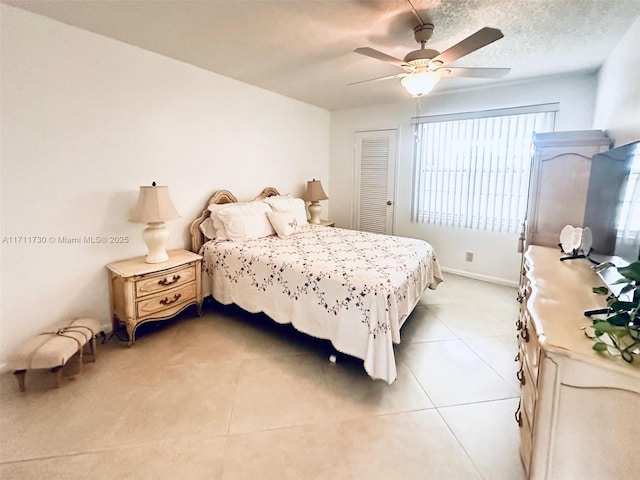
(142, 292)
(327, 223)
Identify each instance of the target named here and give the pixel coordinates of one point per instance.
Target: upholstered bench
(52, 349)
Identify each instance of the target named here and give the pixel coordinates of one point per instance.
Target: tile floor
(236, 396)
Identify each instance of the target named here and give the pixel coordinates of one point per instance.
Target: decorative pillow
(289, 204)
(246, 221)
(284, 223)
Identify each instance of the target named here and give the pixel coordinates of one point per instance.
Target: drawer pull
(518, 415)
(164, 282)
(166, 301)
(520, 376)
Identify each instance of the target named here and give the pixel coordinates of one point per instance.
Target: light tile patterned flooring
(236, 396)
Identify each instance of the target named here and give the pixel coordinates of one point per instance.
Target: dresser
(579, 411)
(560, 180)
(142, 292)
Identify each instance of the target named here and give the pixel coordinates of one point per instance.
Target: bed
(352, 288)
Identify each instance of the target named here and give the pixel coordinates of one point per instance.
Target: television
(612, 209)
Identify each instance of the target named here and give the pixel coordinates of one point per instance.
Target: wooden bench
(53, 348)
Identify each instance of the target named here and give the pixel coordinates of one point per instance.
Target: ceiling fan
(423, 68)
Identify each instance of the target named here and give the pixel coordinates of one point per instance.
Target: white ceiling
(304, 48)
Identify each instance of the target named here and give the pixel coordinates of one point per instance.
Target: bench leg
(20, 374)
(57, 375)
(92, 348)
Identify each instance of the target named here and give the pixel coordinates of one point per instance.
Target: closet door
(375, 172)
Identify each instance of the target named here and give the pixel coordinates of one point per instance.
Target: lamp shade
(314, 191)
(420, 83)
(154, 205)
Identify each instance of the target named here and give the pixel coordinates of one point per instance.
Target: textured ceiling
(304, 48)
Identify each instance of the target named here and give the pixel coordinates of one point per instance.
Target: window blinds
(472, 170)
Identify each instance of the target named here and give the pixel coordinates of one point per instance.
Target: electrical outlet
(469, 257)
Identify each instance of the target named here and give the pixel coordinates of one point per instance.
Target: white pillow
(246, 221)
(284, 223)
(208, 229)
(278, 202)
(289, 204)
(216, 224)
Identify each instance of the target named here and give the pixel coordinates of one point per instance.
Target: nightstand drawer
(167, 301)
(154, 283)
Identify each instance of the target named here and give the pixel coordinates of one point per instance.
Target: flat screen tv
(613, 202)
(613, 208)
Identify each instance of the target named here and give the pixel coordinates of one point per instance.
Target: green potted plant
(618, 331)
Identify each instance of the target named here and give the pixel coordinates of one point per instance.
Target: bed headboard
(218, 198)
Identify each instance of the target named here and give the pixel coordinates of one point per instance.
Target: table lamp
(314, 194)
(154, 207)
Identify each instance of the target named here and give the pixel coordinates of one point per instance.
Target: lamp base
(156, 236)
(314, 212)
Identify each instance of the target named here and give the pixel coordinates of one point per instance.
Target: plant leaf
(604, 326)
(631, 271)
(600, 290)
(626, 289)
(618, 306)
(600, 347)
(619, 320)
(621, 332)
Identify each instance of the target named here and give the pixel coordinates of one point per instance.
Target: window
(472, 170)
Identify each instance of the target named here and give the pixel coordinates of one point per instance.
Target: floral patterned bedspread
(350, 287)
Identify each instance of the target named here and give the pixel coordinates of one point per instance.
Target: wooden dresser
(142, 292)
(579, 411)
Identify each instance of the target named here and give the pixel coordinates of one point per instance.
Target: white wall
(495, 255)
(618, 100)
(85, 121)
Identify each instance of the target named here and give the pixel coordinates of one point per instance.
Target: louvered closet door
(374, 189)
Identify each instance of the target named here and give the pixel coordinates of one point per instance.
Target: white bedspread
(350, 287)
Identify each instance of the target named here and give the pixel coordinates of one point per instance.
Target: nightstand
(327, 223)
(141, 292)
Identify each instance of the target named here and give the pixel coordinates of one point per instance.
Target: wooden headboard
(219, 198)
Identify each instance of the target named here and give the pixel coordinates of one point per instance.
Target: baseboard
(479, 276)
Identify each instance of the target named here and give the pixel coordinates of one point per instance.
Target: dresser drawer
(528, 395)
(160, 282)
(167, 302)
(525, 444)
(530, 345)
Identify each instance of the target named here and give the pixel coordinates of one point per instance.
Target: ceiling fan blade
(388, 77)
(474, 72)
(481, 38)
(378, 55)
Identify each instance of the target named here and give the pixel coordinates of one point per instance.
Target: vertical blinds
(473, 171)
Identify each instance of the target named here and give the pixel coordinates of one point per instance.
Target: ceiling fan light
(419, 84)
